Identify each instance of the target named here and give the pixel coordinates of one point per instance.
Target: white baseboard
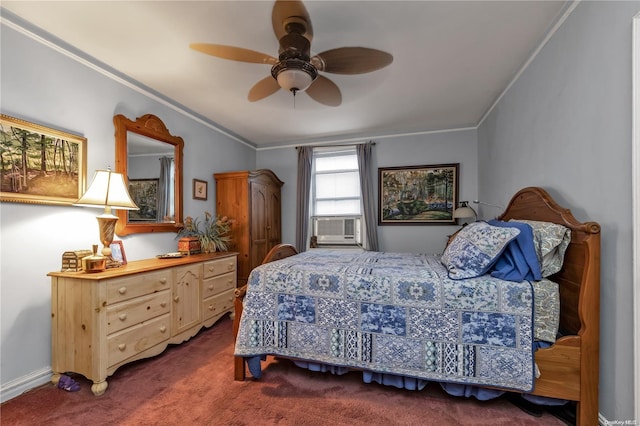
(25, 383)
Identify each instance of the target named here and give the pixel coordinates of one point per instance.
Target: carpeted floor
(192, 384)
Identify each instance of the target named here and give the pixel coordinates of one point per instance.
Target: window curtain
(368, 200)
(164, 190)
(305, 158)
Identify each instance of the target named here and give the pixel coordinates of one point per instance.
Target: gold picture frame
(40, 165)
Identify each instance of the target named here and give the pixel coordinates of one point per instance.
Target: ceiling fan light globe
(294, 80)
(294, 75)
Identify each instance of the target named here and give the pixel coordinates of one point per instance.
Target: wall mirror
(151, 160)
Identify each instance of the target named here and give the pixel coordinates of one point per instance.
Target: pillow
(551, 242)
(519, 261)
(475, 248)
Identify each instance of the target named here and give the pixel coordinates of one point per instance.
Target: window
(335, 183)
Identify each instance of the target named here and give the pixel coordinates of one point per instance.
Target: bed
(566, 370)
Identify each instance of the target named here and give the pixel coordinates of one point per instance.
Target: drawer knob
(176, 299)
(212, 268)
(163, 329)
(122, 290)
(211, 308)
(210, 286)
(163, 280)
(122, 346)
(230, 267)
(163, 303)
(122, 317)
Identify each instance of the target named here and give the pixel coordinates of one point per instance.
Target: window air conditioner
(337, 230)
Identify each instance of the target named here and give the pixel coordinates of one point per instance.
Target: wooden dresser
(252, 200)
(104, 320)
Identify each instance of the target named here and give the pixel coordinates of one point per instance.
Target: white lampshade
(107, 190)
(464, 211)
(294, 80)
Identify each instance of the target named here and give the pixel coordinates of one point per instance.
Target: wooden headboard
(579, 279)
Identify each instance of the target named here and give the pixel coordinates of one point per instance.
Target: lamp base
(107, 226)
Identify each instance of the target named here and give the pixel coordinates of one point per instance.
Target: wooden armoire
(252, 200)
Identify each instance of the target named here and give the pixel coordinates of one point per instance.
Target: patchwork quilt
(395, 313)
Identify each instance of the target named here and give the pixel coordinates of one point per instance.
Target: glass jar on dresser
(101, 321)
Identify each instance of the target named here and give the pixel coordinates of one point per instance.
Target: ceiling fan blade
(265, 87)
(325, 91)
(234, 53)
(285, 9)
(351, 60)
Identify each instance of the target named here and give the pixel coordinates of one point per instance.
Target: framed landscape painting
(418, 195)
(144, 192)
(39, 165)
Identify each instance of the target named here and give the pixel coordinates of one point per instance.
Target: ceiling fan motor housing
(294, 71)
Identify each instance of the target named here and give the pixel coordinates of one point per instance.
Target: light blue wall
(566, 125)
(41, 85)
(457, 146)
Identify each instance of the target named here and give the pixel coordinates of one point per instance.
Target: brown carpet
(192, 384)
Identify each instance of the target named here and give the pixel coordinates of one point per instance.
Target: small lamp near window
(108, 191)
(465, 212)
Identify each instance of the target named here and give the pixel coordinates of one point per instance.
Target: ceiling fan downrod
(294, 71)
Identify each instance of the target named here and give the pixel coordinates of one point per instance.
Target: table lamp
(464, 212)
(108, 191)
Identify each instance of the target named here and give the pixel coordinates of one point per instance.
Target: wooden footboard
(276, 253)
(238, 361)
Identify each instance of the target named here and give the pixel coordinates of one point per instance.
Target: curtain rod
(337, 145)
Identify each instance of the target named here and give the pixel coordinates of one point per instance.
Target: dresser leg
(55, 378)
(99, 388)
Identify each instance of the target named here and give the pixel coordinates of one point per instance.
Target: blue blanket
(519, 260)
(395, 313)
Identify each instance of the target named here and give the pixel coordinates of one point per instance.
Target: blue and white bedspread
(396, 313)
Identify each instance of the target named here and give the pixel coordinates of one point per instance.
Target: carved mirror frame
(152, 127)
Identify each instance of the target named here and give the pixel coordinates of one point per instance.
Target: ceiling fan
(295, 70)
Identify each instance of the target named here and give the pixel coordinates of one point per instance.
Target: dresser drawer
(218, 284)
(128, 287)
(218, 304)
(219, 266)
(134, 311)
(137, 339)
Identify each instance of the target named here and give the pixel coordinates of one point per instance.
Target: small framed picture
(117, 252)
(199, 189)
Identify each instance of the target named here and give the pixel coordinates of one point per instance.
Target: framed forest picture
(418, 195)
(40, 165)
(144, 192)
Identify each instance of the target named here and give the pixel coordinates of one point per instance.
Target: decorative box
(72, 260)
(189, 245)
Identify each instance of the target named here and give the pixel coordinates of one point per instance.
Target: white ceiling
(452, 59)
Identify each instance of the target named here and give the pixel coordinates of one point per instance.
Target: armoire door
(259, 233)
